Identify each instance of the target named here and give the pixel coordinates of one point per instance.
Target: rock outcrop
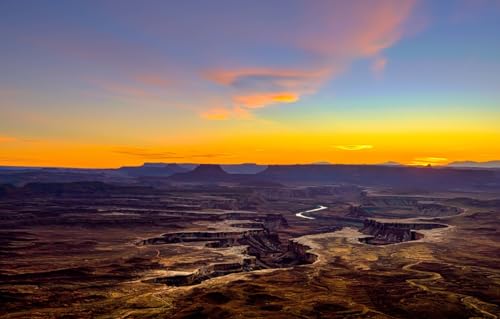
(394, 232)
(205, 173)
(294, 254)
(207, 272)
(264, 249)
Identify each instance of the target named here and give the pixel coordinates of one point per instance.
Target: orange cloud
(260, 87)
(333, 35)
(423, 161)
(354, 147)
(261, 100)
(384, 26)
(361, 30)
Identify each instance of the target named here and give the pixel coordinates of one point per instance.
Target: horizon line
(386, 164)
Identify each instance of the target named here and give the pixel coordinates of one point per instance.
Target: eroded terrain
(251, 251)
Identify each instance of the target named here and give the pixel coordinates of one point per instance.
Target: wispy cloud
(336, 34)
(264, 99)
(432, 159)
(260, 87)
(423, 161)
(256, 62)
(270, 79)
(354, 147)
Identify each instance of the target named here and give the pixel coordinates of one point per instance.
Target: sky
(111, 83)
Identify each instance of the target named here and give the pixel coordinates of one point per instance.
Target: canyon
(184, 247)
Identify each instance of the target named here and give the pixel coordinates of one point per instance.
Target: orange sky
(407, 148)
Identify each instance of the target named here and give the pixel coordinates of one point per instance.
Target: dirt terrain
(92, 250)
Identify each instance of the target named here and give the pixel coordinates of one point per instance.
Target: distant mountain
(321, 163)
(472, 164)
(457, 176)
(153, 169)
(18, 168)
(391, 163)
(209, 173)
(188, 166)
(390, 176)
(246, 168)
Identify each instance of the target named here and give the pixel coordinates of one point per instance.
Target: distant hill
(402, 177)
(203, 173)
(18, 168)
(153, 169)
(246, 168)
(21, 177)
(390, 176)
(321, 163)
(472, 164)
(212, 173)
(391, 163)
(455, 176)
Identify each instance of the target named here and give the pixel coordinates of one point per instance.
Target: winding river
(317, 209)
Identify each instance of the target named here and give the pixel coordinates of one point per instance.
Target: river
(317, 209)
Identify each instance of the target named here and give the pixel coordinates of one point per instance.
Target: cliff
(394, 232)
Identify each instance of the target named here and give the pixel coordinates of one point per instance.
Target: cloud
(264, 99)
(351, 29)
(432, 159)
(271, 79)
(252, 57)
(330, 35)
(423, 161)
(259, 87)
(354, 147)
